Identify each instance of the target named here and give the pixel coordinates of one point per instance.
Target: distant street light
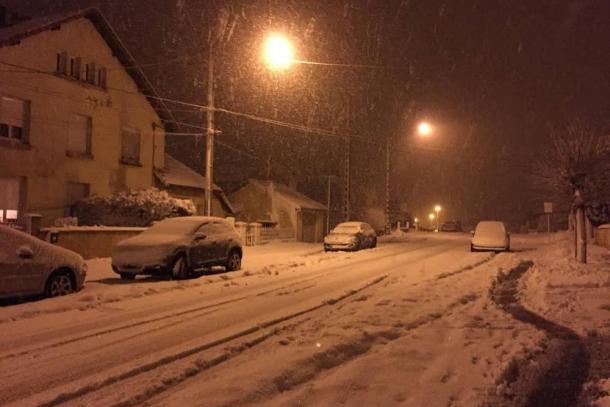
(278, 53)
(424, 129)
(437, 209)
(431, 217)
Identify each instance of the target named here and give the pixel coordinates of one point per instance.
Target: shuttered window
(79, 134)
(130, 148)
(14, 118)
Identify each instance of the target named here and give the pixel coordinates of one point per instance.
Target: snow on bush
(131, 208)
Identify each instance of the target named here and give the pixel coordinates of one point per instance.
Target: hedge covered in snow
(131, 208)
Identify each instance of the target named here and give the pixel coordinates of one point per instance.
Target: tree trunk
(581, 235)
(590, 228)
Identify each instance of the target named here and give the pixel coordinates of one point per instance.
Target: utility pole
(348, 153)
(209, 152)
(388, 224)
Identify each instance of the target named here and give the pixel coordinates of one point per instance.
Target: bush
(132, 208)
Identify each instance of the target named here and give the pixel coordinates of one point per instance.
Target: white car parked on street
(490, 235)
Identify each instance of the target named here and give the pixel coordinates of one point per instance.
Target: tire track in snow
(66, 397)
(552, 377)
(310, 277)
(311, 367)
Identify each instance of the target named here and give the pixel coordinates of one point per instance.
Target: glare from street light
(431, 216)
(278, 53)
(424, 129)
(437, 208)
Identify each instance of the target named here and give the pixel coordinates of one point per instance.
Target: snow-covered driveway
(269, 333)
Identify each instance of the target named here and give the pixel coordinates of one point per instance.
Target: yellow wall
(54, 99)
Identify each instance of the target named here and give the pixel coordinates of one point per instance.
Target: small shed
(182, 182)
(278, 206)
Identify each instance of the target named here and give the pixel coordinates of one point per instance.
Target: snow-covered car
(30, 266)
(350, 236)
(451, 226)
(490, 235)
(179, 246)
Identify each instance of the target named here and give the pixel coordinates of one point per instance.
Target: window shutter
(62, 63)
(76, 68)
(12, 112)
(91, 73)
(27, 118)
(102, 78)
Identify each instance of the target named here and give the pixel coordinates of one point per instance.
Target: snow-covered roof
(298, 199)
(13, 34)
(178, 174)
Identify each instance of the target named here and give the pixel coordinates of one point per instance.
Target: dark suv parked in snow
(178, 246)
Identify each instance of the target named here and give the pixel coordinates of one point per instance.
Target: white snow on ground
(572, 294)
(408, 323)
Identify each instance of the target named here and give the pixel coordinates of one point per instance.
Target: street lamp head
(415, 220)
(424, 129)
(437, 208)
(278, 52)
(431, 216)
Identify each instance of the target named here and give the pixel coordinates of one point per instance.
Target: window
(75, 191)
(79, 135)
(14, 117)
(130, 148)
(62, 63)
(101, 78)
(9, 199)
(90, 73)
(75, 68)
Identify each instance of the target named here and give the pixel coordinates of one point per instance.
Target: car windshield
(346, 229)
(174, 226)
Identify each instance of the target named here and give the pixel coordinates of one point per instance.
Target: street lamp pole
(388, 222)
(437, 209)
(209, 152)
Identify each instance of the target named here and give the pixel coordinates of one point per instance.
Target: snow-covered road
(406, 323)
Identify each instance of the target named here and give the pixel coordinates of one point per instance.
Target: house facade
(278, 206)
(77, 117)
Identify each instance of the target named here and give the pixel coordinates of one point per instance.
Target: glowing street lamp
(278, 52)
(431, 217)
(424, 129)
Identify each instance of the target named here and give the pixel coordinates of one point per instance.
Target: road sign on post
(548, 209)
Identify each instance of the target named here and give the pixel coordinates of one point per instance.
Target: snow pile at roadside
(560, 288)
(576, 296)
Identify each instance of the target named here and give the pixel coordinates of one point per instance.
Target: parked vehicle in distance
(451, 226)
(30, 266)
(179, 246)
(490, 235)
(351, 236)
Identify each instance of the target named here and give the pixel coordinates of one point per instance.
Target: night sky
(494, 76)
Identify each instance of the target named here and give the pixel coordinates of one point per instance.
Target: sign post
(548, 209)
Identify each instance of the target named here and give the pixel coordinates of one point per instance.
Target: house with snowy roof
(77, 116)
(181, 181)
(280, 207)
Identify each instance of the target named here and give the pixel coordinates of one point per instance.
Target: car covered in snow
(350, 236)
(179, 246)
(30, 266)
(451, 226)
(490, 235)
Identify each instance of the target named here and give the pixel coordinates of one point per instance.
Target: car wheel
(127, 276)
(374, 244)
(233, 261)
(179, 269)
(60, 283)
